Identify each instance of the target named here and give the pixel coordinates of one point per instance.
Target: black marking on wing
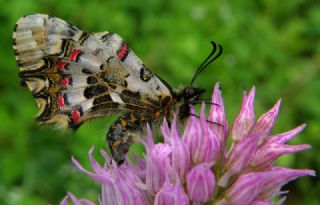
(78, 58)
(72, 30)
(102, 99)
(86, 71)
(84, 36)
(145, 74)
(108, 77)
(113, 86)
(47, 64)
(106, 37)
(132, 106)
(65, 47)
(65, 98)
(92, 80)
(112, 80)
(124, 83)
(46, 114)
(95, 90)
(129, 93)
(105, 106)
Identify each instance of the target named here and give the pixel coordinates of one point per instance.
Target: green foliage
(270, 44)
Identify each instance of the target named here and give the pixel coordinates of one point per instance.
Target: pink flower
(197, 167)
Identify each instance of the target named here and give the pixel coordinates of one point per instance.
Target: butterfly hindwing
(75, 75)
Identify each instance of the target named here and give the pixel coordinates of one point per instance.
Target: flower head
(198, 167)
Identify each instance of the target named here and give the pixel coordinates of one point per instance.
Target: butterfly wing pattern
(76, 76)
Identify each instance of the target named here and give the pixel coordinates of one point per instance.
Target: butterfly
(76, 76)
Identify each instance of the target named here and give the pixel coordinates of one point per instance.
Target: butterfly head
(191, 95)
(188, 96)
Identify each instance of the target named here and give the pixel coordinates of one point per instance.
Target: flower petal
(261, 203)
(245, 119)
(171, 194)
(75, 201)
(280, 176)
(192, 133)
(246, 188)
(127, 193)
(267, 154)
(286, 136)
(180, 154)
(200, 183)
(165, 130)
(156, 159)
(208, 147)
(266, 122)
(217, 115)
(239, 158)
(103, 178)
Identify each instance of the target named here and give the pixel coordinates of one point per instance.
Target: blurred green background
(270, 44)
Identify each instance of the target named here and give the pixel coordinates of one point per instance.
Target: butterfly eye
(191, 92)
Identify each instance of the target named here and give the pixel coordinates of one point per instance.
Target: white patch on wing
(147, 88)
(79, 81)
(75, 96)
(90, 61)
(133, 62)
(86, 105)
(32, 20)
(116, 98)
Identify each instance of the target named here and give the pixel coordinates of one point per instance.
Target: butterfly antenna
(207, 61)
(206, 101)
(215, 123)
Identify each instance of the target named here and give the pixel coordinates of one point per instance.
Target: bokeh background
(274, 45)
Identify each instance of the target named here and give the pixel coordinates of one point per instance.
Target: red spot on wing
(62, 65)
(76, 115)
(61, 101)
(123, 51)
(74, 55)
(65, 82)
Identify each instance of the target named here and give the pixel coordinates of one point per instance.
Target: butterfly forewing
(76, 75)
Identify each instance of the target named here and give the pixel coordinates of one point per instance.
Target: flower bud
(171, 194)
(201, 140)
(156, 159)
(245, 119)
(218, 117)
(200, 183)
(180, 154)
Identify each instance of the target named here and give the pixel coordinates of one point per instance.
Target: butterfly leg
(120, 135)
